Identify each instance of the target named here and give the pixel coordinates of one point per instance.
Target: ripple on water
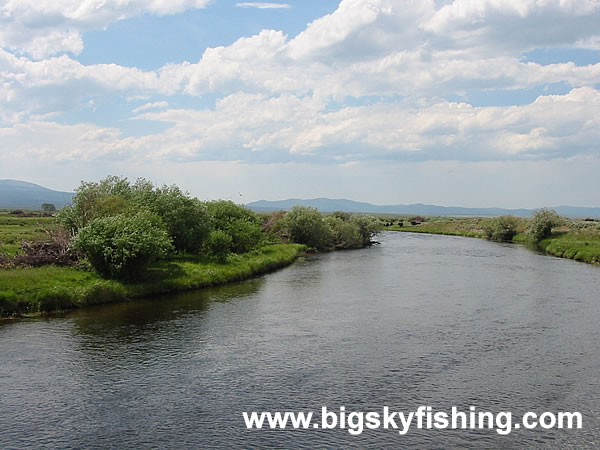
(419, 320)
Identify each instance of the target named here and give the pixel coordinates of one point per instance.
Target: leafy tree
(219, 244)
(240, 223)
(502, 228)
(345, 233)
(93, 200)
(185, 218)
(48, 207)
(307, 226)
(343, 215)
(368, 227)
(122, 246)
(543, 221)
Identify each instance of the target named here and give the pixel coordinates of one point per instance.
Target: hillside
(329, 205)
(24, 195)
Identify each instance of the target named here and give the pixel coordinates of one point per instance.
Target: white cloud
(49, 141)
(262, 5)
(515, 24)
(43, 28)
(257, 128)
(148, 106)
(282, 99)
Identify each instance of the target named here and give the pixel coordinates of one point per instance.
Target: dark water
(420, 320)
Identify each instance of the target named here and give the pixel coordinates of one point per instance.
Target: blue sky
(389, 101)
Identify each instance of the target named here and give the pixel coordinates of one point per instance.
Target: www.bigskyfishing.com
(424, 417)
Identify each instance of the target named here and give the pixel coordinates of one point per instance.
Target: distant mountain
(24, 195)
(329, 205)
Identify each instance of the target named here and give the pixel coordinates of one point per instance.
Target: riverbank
(52, 288)
(576, 242)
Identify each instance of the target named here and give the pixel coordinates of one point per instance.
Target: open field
(15, 229)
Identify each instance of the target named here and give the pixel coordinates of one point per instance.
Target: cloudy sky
(452, 102)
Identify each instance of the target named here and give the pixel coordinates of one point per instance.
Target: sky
(451, 102)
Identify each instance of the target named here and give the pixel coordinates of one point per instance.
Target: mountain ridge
(329, 205)
(17, 194)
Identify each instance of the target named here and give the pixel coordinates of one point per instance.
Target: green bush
(543, 221)
(185, 218)
(368, 227)
(307, 226)
(122, 246)
(219, 244)
(93, 200)
(345, 234)
(246, 236)
(502, 228)
(238, 222)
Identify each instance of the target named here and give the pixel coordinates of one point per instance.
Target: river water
(418, 320)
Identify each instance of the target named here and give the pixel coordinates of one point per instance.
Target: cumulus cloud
(258, 128)
(43, 28)
(50, 141)
(515, 24)
(375, 79)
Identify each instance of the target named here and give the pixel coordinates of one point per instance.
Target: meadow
(14, 229)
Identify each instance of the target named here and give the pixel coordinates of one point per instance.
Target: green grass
(50, 288)
(463, 226)
(14, 229)
(574, 245)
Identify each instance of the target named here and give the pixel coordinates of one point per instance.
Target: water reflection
(419, 320)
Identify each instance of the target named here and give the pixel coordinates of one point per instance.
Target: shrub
(368, 227)
(502, 228)
(543, 221)
(246, 236)
(219, 244)
(93, 200)
(238, 222)
(307, 226)
(122, 246)
(345, 234)
(272, 224)
(186, 219)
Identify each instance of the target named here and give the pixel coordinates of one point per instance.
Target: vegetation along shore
(577, 239)
(122, 240)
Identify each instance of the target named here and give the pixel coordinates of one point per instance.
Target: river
(418, 320)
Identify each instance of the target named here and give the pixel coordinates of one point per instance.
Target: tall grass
(15, 229)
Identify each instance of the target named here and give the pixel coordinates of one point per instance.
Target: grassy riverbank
(51, 288)
(573, 245)
(577, 239)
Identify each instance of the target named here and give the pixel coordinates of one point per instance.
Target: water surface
(419, 320)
